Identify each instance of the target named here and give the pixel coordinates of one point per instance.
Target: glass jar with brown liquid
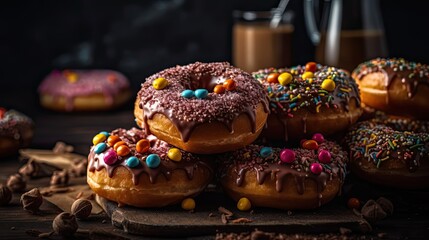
(351, 32)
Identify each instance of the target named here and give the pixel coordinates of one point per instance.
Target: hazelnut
(65, 224)
(386, 205)
(32, 200)
(81, 208)
(5, 195)
(372, 211)
(60, 178)
(16, 183)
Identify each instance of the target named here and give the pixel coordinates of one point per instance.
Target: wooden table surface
(409, 221)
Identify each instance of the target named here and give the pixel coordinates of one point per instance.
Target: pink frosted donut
(84, 90)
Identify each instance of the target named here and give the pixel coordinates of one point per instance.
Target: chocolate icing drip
(189, 163)
(186, 114)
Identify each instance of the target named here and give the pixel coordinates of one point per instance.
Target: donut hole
(205, 81)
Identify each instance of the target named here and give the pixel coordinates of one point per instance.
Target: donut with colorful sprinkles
(309, 99)
(285, 178)
(203, 108)
(16, 131)
(132, 168)
(84, 90)
(395, 86)
(390, 151)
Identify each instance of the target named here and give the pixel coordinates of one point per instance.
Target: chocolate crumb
(223, 219)
(32, 200)
(212, 215)
(372, 211)
(104, 221)
(259, 235)
(345, 231)
(79, 195)
(242, 220)
(60, 178)
(225, 211)
(16, 183)
(386, 205)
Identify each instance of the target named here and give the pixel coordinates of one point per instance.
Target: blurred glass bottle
(262, 39)
(351, 31)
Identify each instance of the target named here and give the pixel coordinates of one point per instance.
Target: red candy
(2, 112)
(287, 155)
(353, 203)
(273, 78)
(110, 157)
(310, 144)
(318, 137)
(310, 67)
(316, 168)
(324, 156)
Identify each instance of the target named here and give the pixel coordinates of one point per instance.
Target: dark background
(140, 38)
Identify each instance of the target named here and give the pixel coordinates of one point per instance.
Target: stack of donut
(392, 149)
(190, 116)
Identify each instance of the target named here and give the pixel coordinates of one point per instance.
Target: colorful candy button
(310, 144)
(244, 204)
(287, 155)
(123, 150)
(353, 203)
(273, 78)
(98, 138)
(307, 75)
(188, 204)
(328, 85)
(265, 152)
(230, 85)
(318, 137)
(324, 156)
(187, 93)
(285, 78)
(142, 145)
(153, 160)
(105, 133)
(132, 162)
(110, 157)
(117, 144)
(111, 140)
(174, 154)
(310, 67)
(159, 83)
(100, 147)
(201, 93)
(316, 168)
(219, 89)
(72, 77)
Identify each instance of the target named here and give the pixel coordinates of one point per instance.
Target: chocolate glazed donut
(129, 167)
(202, 107)
(395, 86)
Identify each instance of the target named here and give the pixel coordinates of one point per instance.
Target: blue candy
(266, 152)
(188, 93)
(99, 148)
(153, 160)
(201, 93)
(105, 133)
(132, 162)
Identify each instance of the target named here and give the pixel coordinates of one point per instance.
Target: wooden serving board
(206, 219)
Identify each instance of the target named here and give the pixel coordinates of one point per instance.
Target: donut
(132, 168)
(84, 90)
(202, 108)
(16, 131)
(308, 99)
(390, 151)
(298, 178)
(395, 86)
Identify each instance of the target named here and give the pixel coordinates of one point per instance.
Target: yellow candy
(98, 138)
(160, 83)
(188, 204)
(307, 75)
(328, 85)
(244, 204)
(285, 78)
(72, 77)
(174, 154)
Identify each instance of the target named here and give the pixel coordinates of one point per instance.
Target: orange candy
(229, 84)
(310, 67)
(272, 78)
(123, 150)
(310, 144)
(219, 89)
(117, 144)
(142, 145)
(112, 140)
(353, 203)
(111, 78)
